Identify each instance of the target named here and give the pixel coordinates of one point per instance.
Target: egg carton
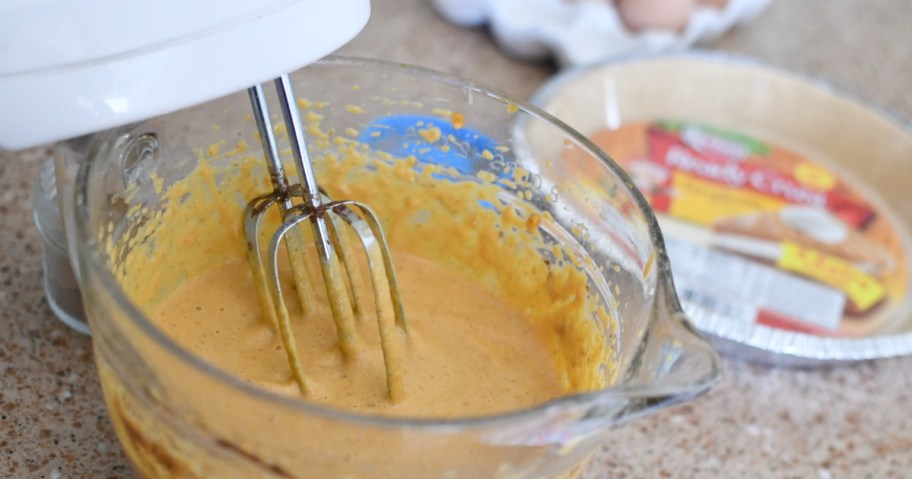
(584, 32)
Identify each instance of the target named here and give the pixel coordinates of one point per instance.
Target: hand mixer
(68, 69)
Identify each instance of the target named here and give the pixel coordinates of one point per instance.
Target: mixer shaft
(305, 202)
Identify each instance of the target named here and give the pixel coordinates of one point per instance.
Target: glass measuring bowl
(177, 416)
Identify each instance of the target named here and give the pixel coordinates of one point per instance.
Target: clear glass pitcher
(170, 408)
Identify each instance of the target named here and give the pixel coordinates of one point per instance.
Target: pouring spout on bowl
(675, 361)
(674, 364)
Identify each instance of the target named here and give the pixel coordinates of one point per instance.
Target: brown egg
(655, 14)
(720, 4)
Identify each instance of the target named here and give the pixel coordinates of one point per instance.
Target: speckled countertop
(852, 422)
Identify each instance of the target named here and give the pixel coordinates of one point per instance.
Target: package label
(758, 233)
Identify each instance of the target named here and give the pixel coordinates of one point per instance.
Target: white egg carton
(578, 32)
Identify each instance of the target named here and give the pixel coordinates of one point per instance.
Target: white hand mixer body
(73, 68)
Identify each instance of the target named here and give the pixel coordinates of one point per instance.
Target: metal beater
(302, 202)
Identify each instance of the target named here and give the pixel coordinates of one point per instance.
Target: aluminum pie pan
(566, 93)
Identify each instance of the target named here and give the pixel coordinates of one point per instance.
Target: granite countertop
(847, 421)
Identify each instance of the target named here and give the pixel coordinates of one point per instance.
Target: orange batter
(467, 353)
(526, 329)
(499, 318)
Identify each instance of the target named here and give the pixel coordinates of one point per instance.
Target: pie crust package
(782, 202)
